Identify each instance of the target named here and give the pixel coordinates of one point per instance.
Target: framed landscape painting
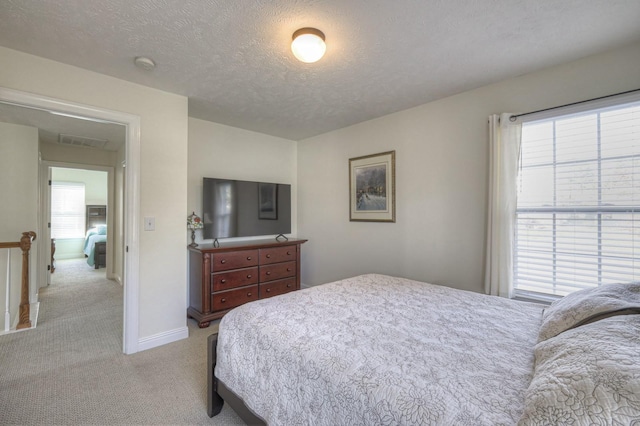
(372, 188)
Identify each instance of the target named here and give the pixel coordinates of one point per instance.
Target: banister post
(25, 246)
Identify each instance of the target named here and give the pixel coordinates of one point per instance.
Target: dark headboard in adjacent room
(96, 215)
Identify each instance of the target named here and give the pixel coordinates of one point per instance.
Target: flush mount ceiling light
(308, 45)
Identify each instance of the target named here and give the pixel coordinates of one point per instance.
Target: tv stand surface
(232, 273)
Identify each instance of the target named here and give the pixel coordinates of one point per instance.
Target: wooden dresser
(221, 278)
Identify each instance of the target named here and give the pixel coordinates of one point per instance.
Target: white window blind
(578, 206)
(67, 210)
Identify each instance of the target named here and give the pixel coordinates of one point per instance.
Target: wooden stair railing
(25, 245)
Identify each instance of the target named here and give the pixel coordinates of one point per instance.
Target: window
(578, 205)
(67, 210)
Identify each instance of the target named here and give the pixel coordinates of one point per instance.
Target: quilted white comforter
(379, 350)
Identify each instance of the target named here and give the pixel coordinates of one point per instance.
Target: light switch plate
(149, 223)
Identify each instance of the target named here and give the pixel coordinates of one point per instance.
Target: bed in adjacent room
(94, 243)
(376, 349)
(96, 237)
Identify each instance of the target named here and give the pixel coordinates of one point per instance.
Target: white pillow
(584, 306)
(589, 375)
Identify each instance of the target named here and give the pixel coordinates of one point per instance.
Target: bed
(383, 350)
(94, 246)
(96, 236)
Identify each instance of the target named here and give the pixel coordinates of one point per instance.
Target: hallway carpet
(71, 370)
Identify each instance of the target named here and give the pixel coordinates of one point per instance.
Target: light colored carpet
(71, 370)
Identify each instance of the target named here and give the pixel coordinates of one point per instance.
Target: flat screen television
(238, 208)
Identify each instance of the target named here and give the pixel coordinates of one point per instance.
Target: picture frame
(372, 188)
(267, 201)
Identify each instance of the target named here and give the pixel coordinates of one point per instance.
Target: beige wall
(442, 171)
(220, 151)
(163, 172)
(18, 205)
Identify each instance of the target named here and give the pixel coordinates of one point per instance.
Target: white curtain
(504, 147)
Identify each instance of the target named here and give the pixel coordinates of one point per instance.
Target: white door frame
(46, 208)
(132, 192)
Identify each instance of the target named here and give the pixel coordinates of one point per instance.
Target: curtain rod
(515, 117)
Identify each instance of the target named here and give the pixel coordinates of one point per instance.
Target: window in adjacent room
(578, 206)
(67, 210)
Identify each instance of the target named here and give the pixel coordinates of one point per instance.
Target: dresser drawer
(277, 254)
(232, 298)
(277, 271)
(234, 260)
(237, 278)
(275, 288)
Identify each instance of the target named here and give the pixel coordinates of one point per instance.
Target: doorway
(128, 242)
(77, 211)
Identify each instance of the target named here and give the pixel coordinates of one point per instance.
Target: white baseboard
(163, 338)
(114, 277)
(303, 285)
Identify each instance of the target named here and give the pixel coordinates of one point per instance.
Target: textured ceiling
(232, 58)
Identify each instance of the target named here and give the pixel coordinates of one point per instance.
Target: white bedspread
(378, 350)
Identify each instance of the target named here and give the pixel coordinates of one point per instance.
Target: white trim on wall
(163, 338)
(131, 265)
(110, 201)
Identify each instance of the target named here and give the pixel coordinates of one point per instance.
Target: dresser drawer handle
(288, 285)
(223, 300)
(268, 256)
(268, 272)
(288, 253)
(249, 294)
(223, 281)
(288, 269)
(223, 261)
(268, 290)
(249, 276)
(248, 257)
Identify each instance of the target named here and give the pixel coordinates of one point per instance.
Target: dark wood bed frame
(218, 392)
(96, 214)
